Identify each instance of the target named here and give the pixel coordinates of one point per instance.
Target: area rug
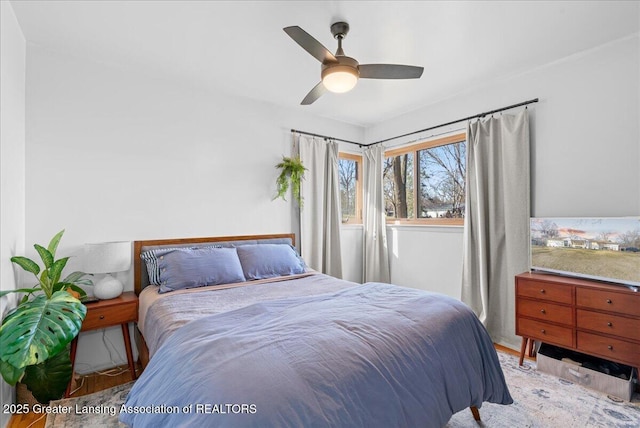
(540, 401)
(544, 401)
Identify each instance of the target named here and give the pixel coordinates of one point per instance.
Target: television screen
(605, 249)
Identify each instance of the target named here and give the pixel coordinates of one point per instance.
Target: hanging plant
(291, 175)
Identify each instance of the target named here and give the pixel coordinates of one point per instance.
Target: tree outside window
(425, 182)
(349, 172)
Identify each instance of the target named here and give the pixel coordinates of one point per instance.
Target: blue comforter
(374, 355)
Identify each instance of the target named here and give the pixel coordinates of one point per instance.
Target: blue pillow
(196, 267)
(150, 259)
(269, 260)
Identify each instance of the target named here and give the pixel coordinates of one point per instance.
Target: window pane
(348, 171)
(442, 173)
(398, 185)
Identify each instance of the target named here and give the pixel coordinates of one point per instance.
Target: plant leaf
(78, 278)
(74, 276)
(83, 282)
(40, 328)
(19, 290)
(45, 255)
(53, 245)
(56, 269)
(10, 374)
(48, 380)
(26, 264)
(68, 285)
(44, 278)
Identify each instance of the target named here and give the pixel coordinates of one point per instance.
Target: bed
(272, 343)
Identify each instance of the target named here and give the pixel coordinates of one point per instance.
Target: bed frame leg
(143, 350)
(476, 413)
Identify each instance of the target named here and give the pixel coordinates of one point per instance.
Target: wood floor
(87, 384)
(510, 351)
(95, 382)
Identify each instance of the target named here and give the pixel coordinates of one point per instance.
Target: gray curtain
(375, 252)
(496, 233)
(320, 215)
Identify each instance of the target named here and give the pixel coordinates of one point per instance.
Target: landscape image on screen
(606, 249)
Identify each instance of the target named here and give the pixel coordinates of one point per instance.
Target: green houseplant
(291, 175)
(35, 336)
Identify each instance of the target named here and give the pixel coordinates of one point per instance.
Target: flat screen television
(604, 249)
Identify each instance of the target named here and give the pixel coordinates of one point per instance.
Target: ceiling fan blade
(390, 71)
(314, 94)
(309, 44)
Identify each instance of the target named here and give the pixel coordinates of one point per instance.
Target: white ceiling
(239, 47)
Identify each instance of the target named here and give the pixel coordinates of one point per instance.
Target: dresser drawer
(609, 348)
(627, 328)
(544, 290)
(549, 333)
(605, 300)
(110, 316)
(543, 310)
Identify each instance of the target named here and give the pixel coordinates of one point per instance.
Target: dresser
(587, 316)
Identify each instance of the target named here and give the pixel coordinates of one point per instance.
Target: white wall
(585, 151)
(351, 246)
(112, 155)
(419, 258)
(12, 162)
(125, 154)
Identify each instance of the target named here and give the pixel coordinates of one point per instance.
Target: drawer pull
(542, 331)
(609, 301)
(101, 317)
(610, 347)
(542, 311)
(609, 324)
(542, 291)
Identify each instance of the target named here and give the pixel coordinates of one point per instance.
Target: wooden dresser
(587, 316)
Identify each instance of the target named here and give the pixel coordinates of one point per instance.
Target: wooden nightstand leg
(74, 348)
(523, 348)
(127, 346)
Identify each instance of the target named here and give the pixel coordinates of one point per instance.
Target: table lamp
(107, 258)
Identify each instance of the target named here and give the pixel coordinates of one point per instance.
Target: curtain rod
(524, 103)
(327, 137)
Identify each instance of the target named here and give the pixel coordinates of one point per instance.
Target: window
(425, 182)
(350, 172)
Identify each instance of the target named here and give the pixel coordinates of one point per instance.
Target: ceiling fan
(340, 73)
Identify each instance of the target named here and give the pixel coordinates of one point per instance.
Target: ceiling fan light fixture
(340, 78)
(341, 73)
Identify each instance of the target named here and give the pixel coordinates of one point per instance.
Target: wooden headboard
(139, 269)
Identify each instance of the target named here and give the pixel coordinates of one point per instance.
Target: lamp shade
(339, 78)
(107, 257)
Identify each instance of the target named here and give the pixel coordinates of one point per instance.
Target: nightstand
(108, 313)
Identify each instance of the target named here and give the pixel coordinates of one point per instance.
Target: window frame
(359, 165)
(414, 149)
